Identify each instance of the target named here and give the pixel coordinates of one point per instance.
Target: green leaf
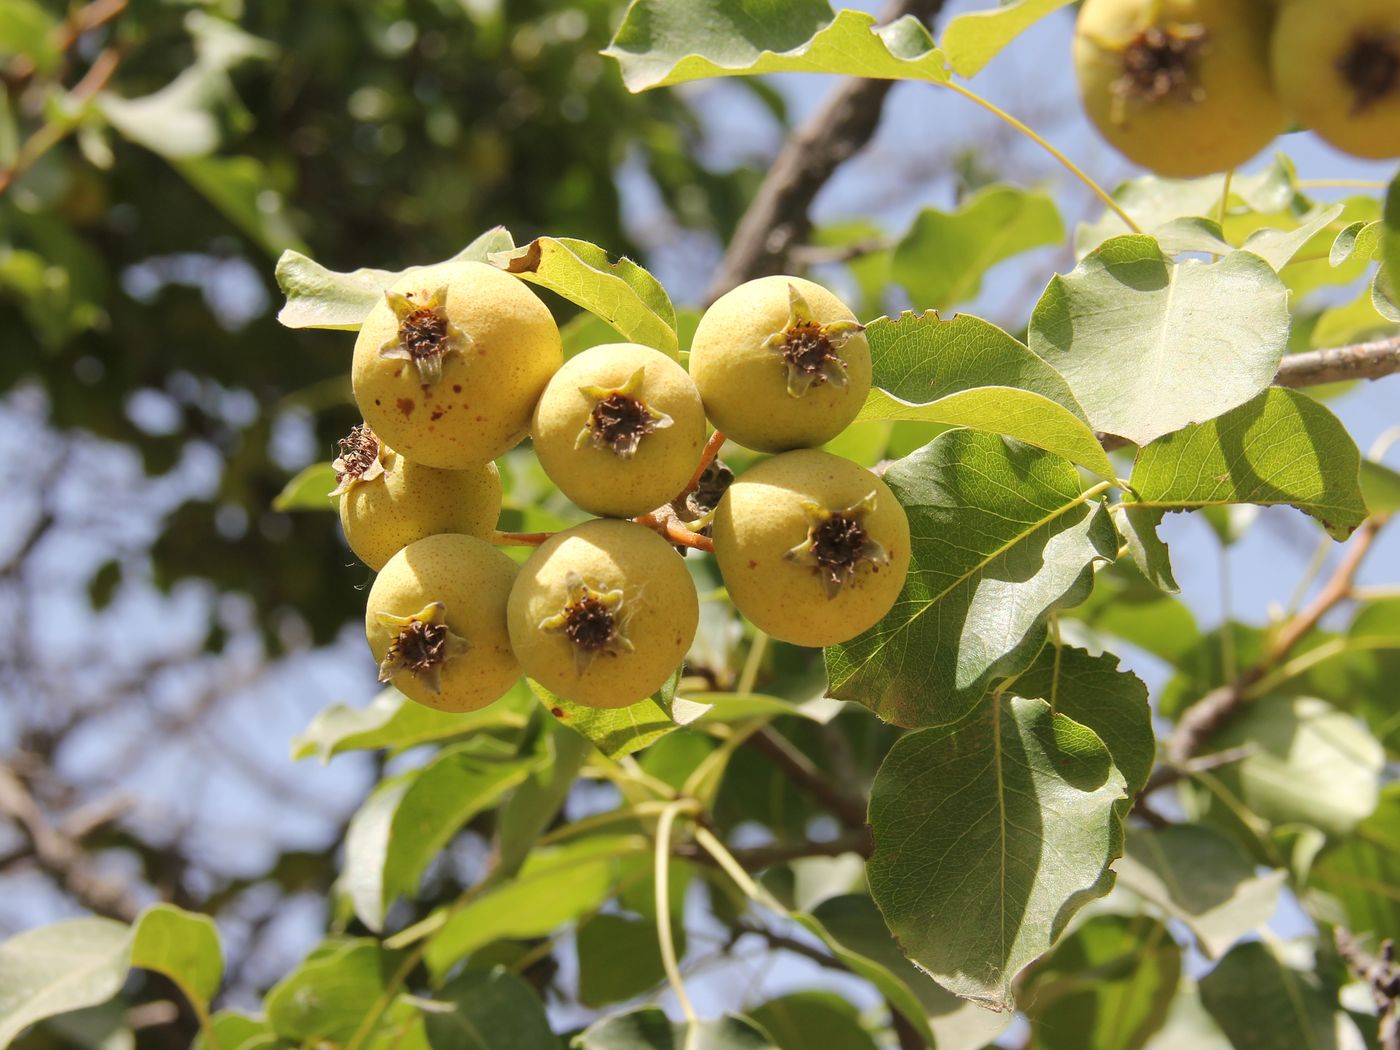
(1201, 878)
(1109, 986)
(650, 1029)
(327, 995)
(851, 926)
(58, 968)
(490, 1010)
(536, 802)
(393, 721)
(1261, 1003)
(410, 818)
(27, 29)
(1138, 527)
(622, 730)
(942, 258)
(973, 39)
(1390, 239)
(555, 886)
(1019, 414)
(322, 298)
(1380, 485)
(664, 42)
(242, 188)
(1281, 448)
(1308, 763)
(1133, 333)
(621, 293)
(1278, 247)
(1095, 692)
(181, 945)
(1002, 536)
(1359, 239)
(1127, 606)
(309, 490)
(802, 1020)
(234, 1031)
(1361, 873)
(921, 358)
(618, 958)
(990, 834)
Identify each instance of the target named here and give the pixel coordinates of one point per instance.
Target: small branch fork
(1382, 976)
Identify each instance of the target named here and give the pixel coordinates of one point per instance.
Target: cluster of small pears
(460, 361)
(1191, 87)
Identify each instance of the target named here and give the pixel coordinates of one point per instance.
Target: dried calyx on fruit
(1337, 63)
(838, 544)
(809, 348)
(1180, 86)
(420, 644)
(780, 363)
(360, 459)
(594, 621)
(425, 334)
(619, 418)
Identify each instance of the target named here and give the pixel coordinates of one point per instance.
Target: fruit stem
(1073, 168)
(707, 456)
(520, 539)
(665, 522)
(663, 907)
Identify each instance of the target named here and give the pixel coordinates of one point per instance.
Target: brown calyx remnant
(425, 335)
(810, 349)
(1371, 68)
(620, 418)
(360, 458)
(593, 620)
(420, 644)
(1160, 62)
(838, 544)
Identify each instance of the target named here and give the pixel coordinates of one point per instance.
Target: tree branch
(1339, 364)
(801, 771)
(777, 219)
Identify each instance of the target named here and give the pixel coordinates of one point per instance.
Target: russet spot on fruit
(388, 502)
(603, 613)
(780, 363)
(1337, 64)
(619, 429)
(1181, 87)
(449, 365)
(813, 548)
(436, 622)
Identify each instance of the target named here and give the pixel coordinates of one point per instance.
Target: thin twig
(1382, 977)
(802, 772)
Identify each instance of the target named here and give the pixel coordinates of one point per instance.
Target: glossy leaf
(664, 42)
(489, 1010)
(322, 298)
(1096, 692)
(1133, 333)
(1108, 986)
(410, 818)
(1201, 878)
(1259, 1002)
(974, 38)
(989, 835)
(1138, 527)
(621, 292)
(620, 731)
(393, 721)
(942, 259)
(1280, 448)
(1002, 535)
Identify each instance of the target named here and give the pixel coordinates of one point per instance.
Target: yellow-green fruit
(1337, 64)
(449, 365)
(436, 622)
(780, 363)
(619, 429)
(813, 548)
(1181, 87)
(387, 501)
(603, 613)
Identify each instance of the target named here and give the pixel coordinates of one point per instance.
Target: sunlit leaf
(60, 967)
(974, 38)
(309, 490)
(1138, 527)
(620, 731)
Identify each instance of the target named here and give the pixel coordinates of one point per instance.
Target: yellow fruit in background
(1181, 87)
(813, 548)
(780, 363)
(449, 365)
(603, 613)
(436, 622)
(387, 501)
(619, 429)
(1337, 64)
